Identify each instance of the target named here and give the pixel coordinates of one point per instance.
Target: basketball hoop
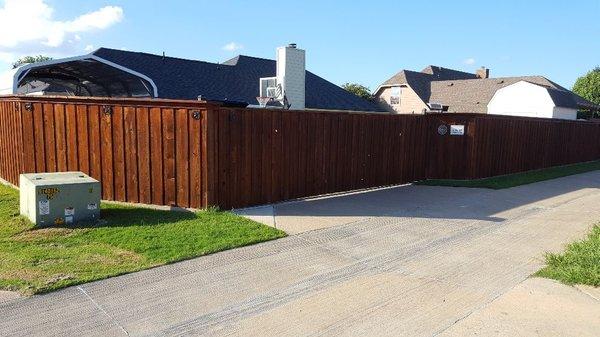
(263, 100)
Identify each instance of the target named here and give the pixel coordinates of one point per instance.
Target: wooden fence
(141, 151)
(196, 154)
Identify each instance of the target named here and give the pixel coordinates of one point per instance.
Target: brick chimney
(483, 72)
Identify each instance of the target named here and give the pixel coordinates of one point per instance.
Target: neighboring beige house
(441, 89)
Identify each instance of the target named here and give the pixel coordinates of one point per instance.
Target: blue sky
(345, 41)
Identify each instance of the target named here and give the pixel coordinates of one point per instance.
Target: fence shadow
(437, 202)
(126, 217)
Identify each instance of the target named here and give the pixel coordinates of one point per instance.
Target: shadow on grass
(126, 216)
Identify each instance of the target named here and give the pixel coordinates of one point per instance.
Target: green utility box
(61, 198)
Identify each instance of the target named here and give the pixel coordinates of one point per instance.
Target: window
(395, 94)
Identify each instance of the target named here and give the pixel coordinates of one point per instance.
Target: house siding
(410, 102)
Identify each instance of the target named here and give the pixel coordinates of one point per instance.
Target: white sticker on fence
(44, 207)
(457, 130)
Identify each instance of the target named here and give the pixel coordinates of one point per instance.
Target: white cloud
(28, 26)
(89, 48)
(469, 61)
(232, 46)
(6, 80)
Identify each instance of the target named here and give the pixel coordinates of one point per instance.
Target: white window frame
(395, 94)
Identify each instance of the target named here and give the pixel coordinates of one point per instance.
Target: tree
(30, 59)
(359, 90)
(588, 86)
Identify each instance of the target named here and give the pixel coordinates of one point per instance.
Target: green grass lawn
(578, 264)
(517, 179)
(128, 239)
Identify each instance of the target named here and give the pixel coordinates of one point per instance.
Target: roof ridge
(440, 67)
(494, 78)
(234, 60)
(154, 55)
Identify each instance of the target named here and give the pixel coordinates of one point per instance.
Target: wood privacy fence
(197, 154)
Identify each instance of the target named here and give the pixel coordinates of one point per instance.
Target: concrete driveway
(411, 260)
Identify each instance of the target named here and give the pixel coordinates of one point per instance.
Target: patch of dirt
(21, 274)
(117, 258)
(42, 234)
(59, 277)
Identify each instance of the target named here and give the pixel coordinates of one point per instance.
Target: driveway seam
(583, 291)
(99, 307)
(479, 308)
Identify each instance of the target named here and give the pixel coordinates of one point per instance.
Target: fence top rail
(507, 117)
(197, 104)
(152, 102)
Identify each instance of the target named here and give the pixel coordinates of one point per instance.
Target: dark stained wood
(60, 137)
(131, 153)
(195, 160)
(256, 167)
(107, 158)
(266, 153)
(94, 142)
(4, 164)
(27, 128)
(276, 157)
(83, 146)
(153, 151)
(118, 142)
(235, 163)
(169, 170)
(223, 158)
(71, 136)
(301, 181)
(49, 139)
(156, 156)
(182, 159)
(143, 151)
(38, 130)
(246, 152)
(210, 159)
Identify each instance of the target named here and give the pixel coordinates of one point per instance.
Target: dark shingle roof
(441, 73)
(236, 79)
(562, 98)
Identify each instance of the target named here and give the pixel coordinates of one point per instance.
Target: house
(446, 90)
(527, 99)
(237, 81)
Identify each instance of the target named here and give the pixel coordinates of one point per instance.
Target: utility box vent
(57, 199)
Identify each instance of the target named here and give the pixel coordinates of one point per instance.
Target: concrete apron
(313, 213)
(411, 260)
(533, 306)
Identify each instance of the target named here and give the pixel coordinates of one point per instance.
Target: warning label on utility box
(44, 207)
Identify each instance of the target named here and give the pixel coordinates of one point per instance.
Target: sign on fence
(457, 130)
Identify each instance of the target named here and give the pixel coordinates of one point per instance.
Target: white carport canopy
(86, 75)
